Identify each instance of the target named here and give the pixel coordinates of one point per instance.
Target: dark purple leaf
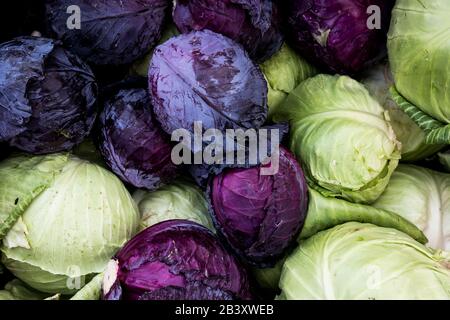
(133, 145)
(178, 260)
(47, 96)
(112, 32)
(204, 76)
(21, 61)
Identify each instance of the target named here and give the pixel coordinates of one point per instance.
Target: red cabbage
(112, 32)
(335, 34)
(260, 215)
(253, 23)
(204, 76)
(175, 260)
(47, 96)
(131, 142)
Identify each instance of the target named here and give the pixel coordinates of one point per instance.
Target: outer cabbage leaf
(421, 196)
(365, 262)
(419, 47)
(22, 179)
(88, 216)
(42, 280)
(284, 72)
(325, 213)
(180, 199)
(112, 32)
(436, 131)
(253, 23)
(342, 136)
(378, 81)
(17, 290)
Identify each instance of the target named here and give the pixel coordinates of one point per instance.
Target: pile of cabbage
(96, 204)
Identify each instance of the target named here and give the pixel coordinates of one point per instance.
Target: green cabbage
(178, 200)
(361, 261)
(343, 137)
(284, 71)
(421, 196)
(70, 217)
(419, 51)
(17, 290)
(325, 213)
(378, 80)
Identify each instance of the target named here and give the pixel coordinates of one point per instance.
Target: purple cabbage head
(258, 215)
(253, 23)
(336, 35)
(204, 76)
(132, 143)
(175, 260)
(111, 32)
(47, 96)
